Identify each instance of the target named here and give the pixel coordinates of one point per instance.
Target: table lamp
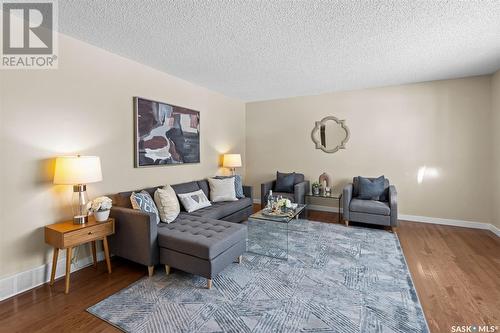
(78, 171)
(231, 161)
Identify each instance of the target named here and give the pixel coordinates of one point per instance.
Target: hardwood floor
(48, 309)
(456, 272)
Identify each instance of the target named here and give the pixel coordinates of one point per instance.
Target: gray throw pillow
(371, 189)
(284, 182)
(238, 185)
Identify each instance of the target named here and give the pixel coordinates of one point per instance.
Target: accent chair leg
(346, 223)
(240, 259)
(209, 283)
(167, 269)
(151, 270)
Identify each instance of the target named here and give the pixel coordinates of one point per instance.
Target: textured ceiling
(258, 50)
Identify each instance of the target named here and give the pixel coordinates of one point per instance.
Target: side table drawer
(87, 234)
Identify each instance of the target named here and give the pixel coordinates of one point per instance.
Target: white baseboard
(451, 222)
(21, 282)
(422, 219)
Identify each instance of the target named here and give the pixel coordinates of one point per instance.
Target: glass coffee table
(268, 234)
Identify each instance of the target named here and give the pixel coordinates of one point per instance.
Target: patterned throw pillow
(143, 201)
(167, 203)
(194, 200)
(238, 185)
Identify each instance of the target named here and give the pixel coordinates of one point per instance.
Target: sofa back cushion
(122, 199)
(186, 187)
(203, 185)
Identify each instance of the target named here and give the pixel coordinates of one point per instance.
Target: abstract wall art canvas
(165, 134)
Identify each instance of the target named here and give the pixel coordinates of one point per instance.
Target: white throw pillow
(194, 200)
(222, 189)
(167, 204)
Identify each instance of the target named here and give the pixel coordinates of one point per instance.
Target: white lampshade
(74, 170)
(231, 161)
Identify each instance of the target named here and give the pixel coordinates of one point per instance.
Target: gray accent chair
(203, 242)
(383, 212)
(300, 188)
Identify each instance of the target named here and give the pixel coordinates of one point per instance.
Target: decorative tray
(288, 213)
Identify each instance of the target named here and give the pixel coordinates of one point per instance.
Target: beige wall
(395, 131)
(85, 107)
(495, 94)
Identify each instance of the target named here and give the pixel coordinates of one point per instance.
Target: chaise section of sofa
(136, 232)
(200, 245)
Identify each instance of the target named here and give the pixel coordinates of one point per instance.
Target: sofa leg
(209, 283)
(167, 269)
(151, 270)
(240, 259)
(346, 223)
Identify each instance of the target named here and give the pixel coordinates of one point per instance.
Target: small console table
(67, 235)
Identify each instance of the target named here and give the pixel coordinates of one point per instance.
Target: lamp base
(80, 219)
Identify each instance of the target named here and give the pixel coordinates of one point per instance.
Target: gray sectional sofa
(202, 242)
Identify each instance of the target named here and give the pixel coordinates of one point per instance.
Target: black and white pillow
(194, 200)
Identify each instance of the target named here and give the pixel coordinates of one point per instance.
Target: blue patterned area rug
(336, 279)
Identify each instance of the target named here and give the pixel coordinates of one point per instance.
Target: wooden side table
(67, 235)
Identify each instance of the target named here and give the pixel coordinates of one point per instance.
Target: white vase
(101, 216)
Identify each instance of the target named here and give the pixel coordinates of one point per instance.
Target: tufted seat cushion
(201, 237)
(219, 210)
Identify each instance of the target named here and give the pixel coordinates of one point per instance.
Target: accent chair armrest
(264, 191)
(346, 200)
(248, 191)
(393, 203)
(300, 190)
(136, 236)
